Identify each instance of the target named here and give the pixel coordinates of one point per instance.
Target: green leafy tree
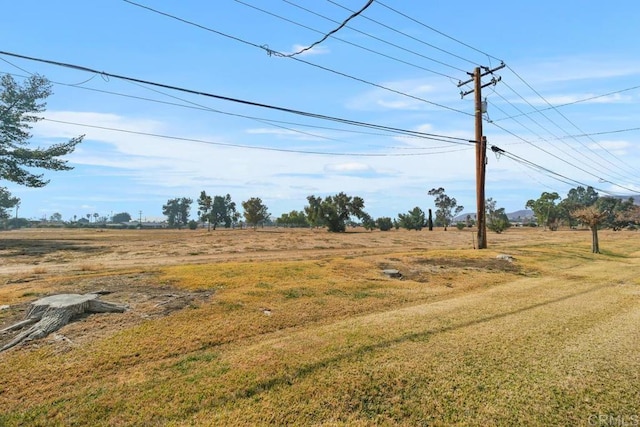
(177, 211)
(255, 211)
(414, 220)
(497, 220)
(614, 210)
(19, 108)
(368, 222)
(577, 198)
(121, 217)
(447, 206)
(546, 210)
(55, 217)
(384, 223)
(293, 219)
(223, 211)
(313, 211)
(335, 211)
(7, 201)
(205, 203)
(629, 217)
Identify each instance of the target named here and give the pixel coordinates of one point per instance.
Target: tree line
(334, 212)
(584, 206)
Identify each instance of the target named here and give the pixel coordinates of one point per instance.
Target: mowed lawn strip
(550, 344)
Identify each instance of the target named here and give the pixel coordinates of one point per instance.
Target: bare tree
(591, 217)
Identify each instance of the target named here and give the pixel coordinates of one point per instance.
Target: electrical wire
(326, 36)
(563, 160)
(436, 31)
(597, 166)
(634, 171)
(410, 37)
(371, 36)
(566, 104)
(235, 100)
(275, 123)
(272, 52)
(555, 175)
(252, 147)
(284, 55)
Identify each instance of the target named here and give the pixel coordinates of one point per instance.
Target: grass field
(301, 327)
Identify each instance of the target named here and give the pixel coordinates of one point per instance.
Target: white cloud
(316, 50)
(350, 167)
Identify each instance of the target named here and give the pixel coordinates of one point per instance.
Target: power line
(236, 100)
(566, 104)
(410, 37)
(562, 160)
(275, 123)
(368, 35)
(572, 123)
(284, 55)
(436, 31)
(280, 54)
(252, 147)
(597, 167)
(555, 175)
(342, 25)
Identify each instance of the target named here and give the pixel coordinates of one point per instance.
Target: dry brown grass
(279, 327)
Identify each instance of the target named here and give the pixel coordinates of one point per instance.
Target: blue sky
(398, 65)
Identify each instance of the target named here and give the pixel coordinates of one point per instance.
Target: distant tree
(177, 211)
(615, 209)
(293, 219)
(414, 220)
(193, 225)
(592, 217)
(497, 219)
(96, 216)
(205, 203)
(255, 211)
(7, 201)
(368, 222)
(313, 211)
(222, 211)
(336, 211)
(447, 207)
(20, 105)
(577, 198)
(469, 221)
(384, 223)
(629, 217)
(56, 217)
(121, 217)
(430, 220)
(546, 210)
(17, 223)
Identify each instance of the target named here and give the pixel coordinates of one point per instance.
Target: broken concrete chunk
(505, 257)
(392, 273)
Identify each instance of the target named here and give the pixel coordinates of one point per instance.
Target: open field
(300, 327)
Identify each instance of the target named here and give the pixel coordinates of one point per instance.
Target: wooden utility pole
(481, 146)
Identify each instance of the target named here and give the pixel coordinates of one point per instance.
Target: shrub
(384, 223)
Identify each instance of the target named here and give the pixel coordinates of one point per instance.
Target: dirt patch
(145, 298)
(425, 269)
